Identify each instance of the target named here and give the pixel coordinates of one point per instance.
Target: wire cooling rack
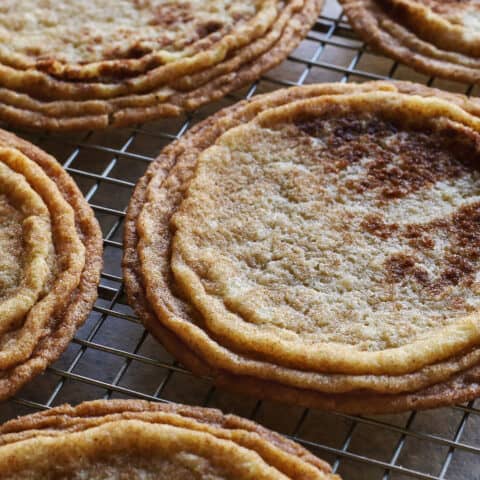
(112, 355)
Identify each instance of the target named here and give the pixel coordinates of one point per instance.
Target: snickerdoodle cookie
(128, 439)
(50, 265)
(90, 64)
(435, 37)
(319, 245)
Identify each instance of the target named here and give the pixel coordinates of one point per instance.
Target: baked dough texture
(435, 37)
(90, 64)
(51, 248)
(122, 439)
(318, 245)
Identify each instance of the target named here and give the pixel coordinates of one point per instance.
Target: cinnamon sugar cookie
(51, 258)
(318, 245)
(141, 440)
(99, 63)
(435, 37)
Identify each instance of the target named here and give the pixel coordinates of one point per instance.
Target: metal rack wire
(112, 355)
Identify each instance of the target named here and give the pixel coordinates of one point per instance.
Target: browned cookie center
(402, 161)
